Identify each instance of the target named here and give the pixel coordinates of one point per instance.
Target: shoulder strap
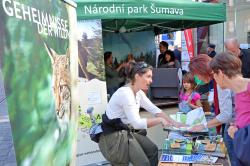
(192, 95)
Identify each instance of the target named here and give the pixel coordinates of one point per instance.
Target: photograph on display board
(139, 45)
(36, 57)
(169, 38)
(90, 50)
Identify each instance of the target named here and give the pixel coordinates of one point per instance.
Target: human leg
(149, 148)
(114, 148)
(229, 144)
(136, 154)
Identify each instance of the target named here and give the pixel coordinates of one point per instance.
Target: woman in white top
(121, 146)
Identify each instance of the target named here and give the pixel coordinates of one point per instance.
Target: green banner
(38, 66)
(150, 9)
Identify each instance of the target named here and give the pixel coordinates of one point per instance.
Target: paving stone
(7, 153)
(10, 164)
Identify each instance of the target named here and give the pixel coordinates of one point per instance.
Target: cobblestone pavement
(7, 152)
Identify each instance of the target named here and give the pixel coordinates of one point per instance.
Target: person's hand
(197, 128)
(232, 130)
(124, 64)
(170, 63)
(178, 124)
(165, 123)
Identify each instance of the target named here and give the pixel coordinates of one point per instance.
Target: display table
(193, 150)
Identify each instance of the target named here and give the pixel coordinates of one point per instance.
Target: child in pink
(188, 97)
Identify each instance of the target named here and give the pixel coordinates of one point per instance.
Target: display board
(39, 67)
(92, 88)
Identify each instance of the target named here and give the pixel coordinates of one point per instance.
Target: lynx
(61, 82)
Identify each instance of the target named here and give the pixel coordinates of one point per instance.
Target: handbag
(95, 132)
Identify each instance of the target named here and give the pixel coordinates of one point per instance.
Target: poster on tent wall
(140, 44)
(189, 42)
(185, 59)
(38, 55)
(170, 38)
(91, 88)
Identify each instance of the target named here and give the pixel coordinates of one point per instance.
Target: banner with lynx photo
(38, 55)
(92, 88)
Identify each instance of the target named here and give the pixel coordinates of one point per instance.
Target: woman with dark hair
(169, 61)
(163, 47)
(113, 78)
(121, 141)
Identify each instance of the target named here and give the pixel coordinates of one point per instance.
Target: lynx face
(61, 82)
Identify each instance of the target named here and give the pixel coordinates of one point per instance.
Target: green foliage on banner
(93, 45)
(38, 137)
(85, 121)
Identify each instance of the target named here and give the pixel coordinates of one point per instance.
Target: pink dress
(195, 96)
(242, 108)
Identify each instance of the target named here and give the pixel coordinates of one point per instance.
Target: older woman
(121, 141)
(227, 72)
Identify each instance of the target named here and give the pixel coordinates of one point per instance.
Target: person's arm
(212, 123)
(177, 64)
(132, 112)
(157, 120)
(196, 97)
(111, 73)
(197, 104)
(120, 67)
(225, 104)
(226, 111)
(170, 120)
(232, 130)
(150, 107)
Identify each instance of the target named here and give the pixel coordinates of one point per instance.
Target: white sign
(94, 98)
(194, 158)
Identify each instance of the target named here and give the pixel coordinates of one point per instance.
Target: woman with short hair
(226, 70)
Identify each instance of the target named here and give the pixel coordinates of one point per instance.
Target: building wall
(237, 24)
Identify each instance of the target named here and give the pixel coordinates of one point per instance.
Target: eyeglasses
(140, 66)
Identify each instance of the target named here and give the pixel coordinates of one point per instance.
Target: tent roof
(159, 15)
